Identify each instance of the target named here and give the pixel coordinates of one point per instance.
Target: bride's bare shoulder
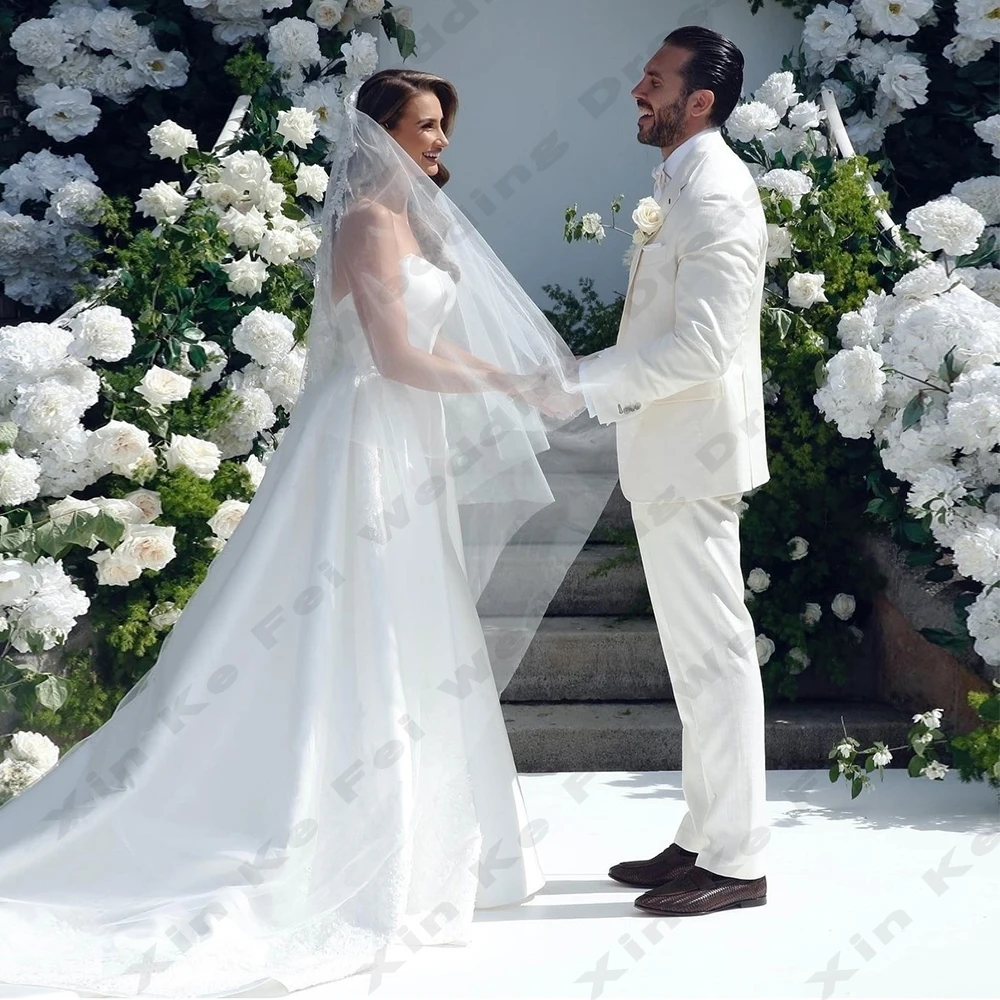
(368, 212)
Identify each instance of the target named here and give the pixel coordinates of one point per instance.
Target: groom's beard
(668, 125)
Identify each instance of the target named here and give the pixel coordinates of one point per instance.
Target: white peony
(311, 180)
(41, 42)
(102, 332)
(989, 131)
(854, 391)
(116, 29)
(779, 91)
(946, 223)
(905, 81)
(982, 194)
(77, 202)
(978, 20)
(170, 141)
(977, 553)
(18, 580)
(843, 606)
(266, 336)
(245, 275)
(751, 120)
(983, 624)
(962, 49)
(293, 44)
(227, 517)
(896, 17)
(805, 289)
(790, 184)
(828, 35)
(923, 282)
(63, 112)
(360, 55)
(186, 451)
(18, 479)
(161, 202)
(161, 70)
(160, 386)
(860, 327)
(936, 489)
(866, 132)
(758, 580)
(51, 408)
(52, 610)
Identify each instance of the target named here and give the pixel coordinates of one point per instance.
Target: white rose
(591, 226)
(121, 510)
(368, 8)
(297, 126)
(160, 386)
(148, 502)
(278, 246)
(150, 546)
(201, 457)
(806, 114)
(805, 289)
(311, 180)
(229, 514)
(758, 580)
(170, 141)
(648, 216)
(797, 547)
(326, 13)
(161, 202)
(905, 81)
(779, 243)
(765, 649)
(843, 606)
(798, 660)
(118, 444)
(244, 229)
(812, 613)
(114, 570)
(245, 276)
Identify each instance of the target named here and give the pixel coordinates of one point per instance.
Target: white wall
(545, 116)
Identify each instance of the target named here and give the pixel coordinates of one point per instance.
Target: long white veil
(529, 485)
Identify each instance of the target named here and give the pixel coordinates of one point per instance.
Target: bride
(317, 769)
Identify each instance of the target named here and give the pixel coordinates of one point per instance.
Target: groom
(684, 385)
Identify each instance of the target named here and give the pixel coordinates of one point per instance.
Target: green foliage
(976, 755)
(586, 323)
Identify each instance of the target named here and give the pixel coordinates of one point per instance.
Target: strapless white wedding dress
(314, 769)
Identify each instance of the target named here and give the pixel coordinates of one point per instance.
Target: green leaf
(990, 710)
(914, 411)
(856, 785)
(828, 223)
(52, 692)
(108, 529)
(916, 765)
(834, 771)
(198, 356)
(920, 557)
(870, 764)
(406, 39)
(939, 574)
(943, 638)
(916, 532)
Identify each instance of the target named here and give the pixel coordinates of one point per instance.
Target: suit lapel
(671, 194)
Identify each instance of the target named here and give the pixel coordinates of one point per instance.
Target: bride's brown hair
(385, 95)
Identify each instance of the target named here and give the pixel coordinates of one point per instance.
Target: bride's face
(420, 131)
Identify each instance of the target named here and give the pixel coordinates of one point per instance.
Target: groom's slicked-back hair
(716, 64)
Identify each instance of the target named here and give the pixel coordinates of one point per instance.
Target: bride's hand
(544, 390)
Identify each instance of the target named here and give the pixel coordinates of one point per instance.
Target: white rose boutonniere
(648, 217)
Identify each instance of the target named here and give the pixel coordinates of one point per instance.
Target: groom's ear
(700, 105)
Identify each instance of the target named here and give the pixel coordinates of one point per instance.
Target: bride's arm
(376, 282)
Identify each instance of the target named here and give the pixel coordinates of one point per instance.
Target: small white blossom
(170, 141)
(758, 580)
(311, 180)
(805, 289)
(161, 202)
(843, 606)
(765, 649)
(798, 660)
(297, 126)
(798, 548)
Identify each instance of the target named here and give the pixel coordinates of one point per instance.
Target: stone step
(646, 736)
(550, 522)
(620, 590)
(606, 658)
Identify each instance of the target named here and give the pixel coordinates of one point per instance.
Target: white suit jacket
(684, 380)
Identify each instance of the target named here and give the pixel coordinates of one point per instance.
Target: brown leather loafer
(652, 873)
(700, 891)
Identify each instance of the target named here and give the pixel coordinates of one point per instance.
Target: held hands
(544, 389)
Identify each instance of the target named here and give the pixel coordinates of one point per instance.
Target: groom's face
(662, 99)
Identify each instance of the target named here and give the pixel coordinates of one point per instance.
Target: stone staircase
(593, 692)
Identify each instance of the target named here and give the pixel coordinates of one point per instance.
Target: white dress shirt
(662, 173)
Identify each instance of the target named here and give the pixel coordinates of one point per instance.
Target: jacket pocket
(703, 390)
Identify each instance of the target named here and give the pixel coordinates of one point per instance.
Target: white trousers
(691, 555)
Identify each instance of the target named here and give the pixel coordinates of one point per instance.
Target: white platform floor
(896, 894)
